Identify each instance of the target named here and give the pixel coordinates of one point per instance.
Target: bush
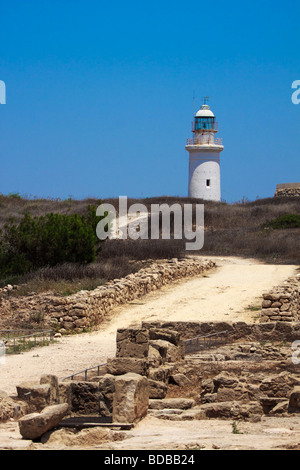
(47, 241)
(285, 221)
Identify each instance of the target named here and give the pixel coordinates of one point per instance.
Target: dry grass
(15, 207)
(68, 278)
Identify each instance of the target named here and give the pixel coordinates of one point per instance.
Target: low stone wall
(288, 190)
(86, 309)
(269, 331)
(283, 302)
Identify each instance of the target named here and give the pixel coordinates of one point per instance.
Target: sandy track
(222, 295)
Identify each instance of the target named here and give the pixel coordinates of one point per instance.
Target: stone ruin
(287, 190)
(282, 303)
(137, 374)
(249, 376)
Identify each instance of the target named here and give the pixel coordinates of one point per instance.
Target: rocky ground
(271, 433)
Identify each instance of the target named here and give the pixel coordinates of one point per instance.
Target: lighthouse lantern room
(204, 156)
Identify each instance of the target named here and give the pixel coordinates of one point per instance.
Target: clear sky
(100, 95)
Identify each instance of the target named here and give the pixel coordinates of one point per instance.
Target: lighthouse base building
(204, 157)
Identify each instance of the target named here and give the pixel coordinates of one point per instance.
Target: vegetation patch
(48, 240)
(285, 221)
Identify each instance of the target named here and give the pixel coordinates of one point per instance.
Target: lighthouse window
(208, 183)
(204, 123)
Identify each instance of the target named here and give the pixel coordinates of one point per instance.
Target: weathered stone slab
(34, 425)
(52, 380)
(10, 408)
(160, 374)
(172, 403)
(85, 397)
(181, 380)
(294, 400)
(65, 392)
(168, 351)
(132, 343)
(157, 389)
(131, 398)
(154, 358)
(36, 395)
(167, 335)
(106, 394)
(123, 365)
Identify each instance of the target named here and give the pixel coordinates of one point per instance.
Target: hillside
(239, 229)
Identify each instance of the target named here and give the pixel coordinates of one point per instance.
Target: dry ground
(156, 434)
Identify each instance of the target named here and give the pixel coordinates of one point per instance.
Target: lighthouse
(204, 156)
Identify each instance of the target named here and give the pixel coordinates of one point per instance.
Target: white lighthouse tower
(204, 156)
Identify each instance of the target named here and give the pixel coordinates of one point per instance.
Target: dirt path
(222, 295)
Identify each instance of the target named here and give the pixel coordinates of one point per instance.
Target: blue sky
(100, 95)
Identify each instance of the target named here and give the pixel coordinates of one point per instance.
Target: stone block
(273, 297)
(122, 365)
(84, 397)
(294, 400)
(52, 380)
(276, 304)
(168, 351)
(165, 334)
(172, 403)
(65, 392)
(270, 312)
(224, 379)
(10, 408)
(34, 425)
(160, 374)
(181, 380)
(132, 343)
(154, 358)
(131, 398)
(230, 410)
(285, 308)
(37, 396)
(157, 389)
(106, 394)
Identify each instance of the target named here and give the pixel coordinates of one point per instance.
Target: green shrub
(285, 221)
(48, 240)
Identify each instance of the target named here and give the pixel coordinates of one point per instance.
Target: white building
(204, 157)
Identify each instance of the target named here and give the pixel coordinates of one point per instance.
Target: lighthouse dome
(205, 111)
